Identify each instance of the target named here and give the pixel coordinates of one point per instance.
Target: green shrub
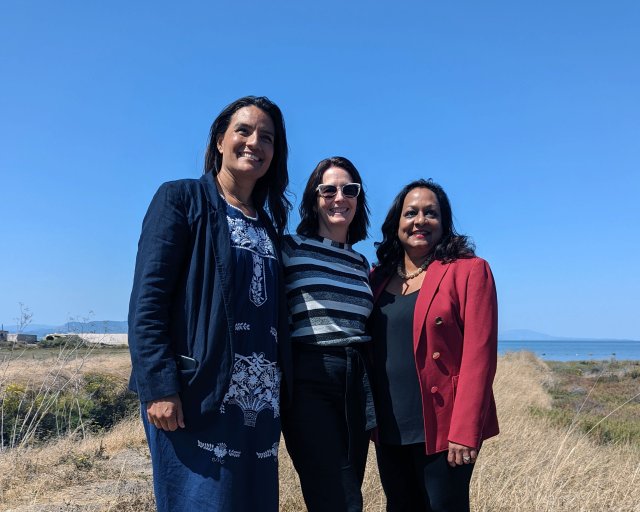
(110, 399)
(99, 401)
(71, 342)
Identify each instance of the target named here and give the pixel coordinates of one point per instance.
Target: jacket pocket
(187, 369)
(186, 378)
(186, 363)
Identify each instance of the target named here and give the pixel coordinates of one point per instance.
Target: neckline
(328, 241)
(238, 209)
(400, 294)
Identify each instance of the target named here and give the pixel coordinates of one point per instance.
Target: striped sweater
(328, 293)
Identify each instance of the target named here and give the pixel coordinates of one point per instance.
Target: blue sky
(528, 113)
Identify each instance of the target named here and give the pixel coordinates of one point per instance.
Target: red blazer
(455, 345)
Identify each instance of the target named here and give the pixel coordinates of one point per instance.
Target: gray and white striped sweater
(328, 293)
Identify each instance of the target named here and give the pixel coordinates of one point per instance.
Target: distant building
(91, 337)
(24, 338)
(4, 336)
(105, 338)
(55, 336)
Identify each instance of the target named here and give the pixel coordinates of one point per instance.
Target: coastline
(575, 350)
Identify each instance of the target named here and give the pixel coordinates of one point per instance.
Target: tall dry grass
(530, 466)
(109, 472)
(34, 382)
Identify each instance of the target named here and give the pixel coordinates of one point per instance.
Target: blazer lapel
(219, 237)
(432, 279)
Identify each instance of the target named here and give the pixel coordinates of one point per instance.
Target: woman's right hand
(166, 413)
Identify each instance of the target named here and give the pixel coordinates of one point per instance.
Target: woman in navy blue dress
(208, 323)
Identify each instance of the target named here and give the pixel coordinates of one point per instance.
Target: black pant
(415, 482)
(328, 452)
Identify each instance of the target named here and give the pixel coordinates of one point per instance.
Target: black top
(398, 397)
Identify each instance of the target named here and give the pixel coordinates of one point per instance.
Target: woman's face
(247, 145)
(420, 226)
(335, 213)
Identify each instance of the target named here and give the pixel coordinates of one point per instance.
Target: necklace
(413, 274)
(229, 193)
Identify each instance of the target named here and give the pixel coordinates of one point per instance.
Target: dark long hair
(451, 246)
(309, 223)
(271, 187)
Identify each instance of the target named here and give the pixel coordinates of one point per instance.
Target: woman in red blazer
(434, 328)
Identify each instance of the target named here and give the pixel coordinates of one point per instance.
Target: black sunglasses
(349, 190)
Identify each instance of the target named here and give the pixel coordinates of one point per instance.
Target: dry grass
(533, 466)
(35, 382)
(106, 472)
(606, 393)
(530, 466)
(38, 365)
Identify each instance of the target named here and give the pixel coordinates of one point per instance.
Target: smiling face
(247, 145)
(420, 225)
(335, 213)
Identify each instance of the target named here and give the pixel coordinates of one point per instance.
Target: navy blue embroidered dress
(233, 464)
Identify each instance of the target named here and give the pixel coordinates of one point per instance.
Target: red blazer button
(438, 320)
(436, 355)
(434, 389)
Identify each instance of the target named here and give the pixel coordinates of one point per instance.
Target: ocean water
(578, 350)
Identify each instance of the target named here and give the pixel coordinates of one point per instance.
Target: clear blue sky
(528, 113)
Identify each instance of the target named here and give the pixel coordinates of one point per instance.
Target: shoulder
(180, 189)
(468, 264)
(290, 242)
(292, 239)
(362, 259)
(472, 272)
(180, 199)
(378, 272)
(378, 276)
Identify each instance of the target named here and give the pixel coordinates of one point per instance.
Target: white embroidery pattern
(255, 386)
(243, 326)
(247, 236)
(272, 452)
(220, 451)
(274, 333)
(257, 291)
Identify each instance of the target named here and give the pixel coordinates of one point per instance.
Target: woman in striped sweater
(327, 427)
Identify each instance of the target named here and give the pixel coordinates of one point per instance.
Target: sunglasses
(349, 190)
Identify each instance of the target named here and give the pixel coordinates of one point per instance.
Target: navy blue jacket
(181, 302)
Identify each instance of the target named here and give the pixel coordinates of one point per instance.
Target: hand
(166, 413)
(460, 454)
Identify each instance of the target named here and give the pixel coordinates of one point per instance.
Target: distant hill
(526, 335)
(96, 326)
(120, 327)
(529, 335)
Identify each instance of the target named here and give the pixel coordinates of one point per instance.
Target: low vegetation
(598, 398)
(59, 392)
(538, 462)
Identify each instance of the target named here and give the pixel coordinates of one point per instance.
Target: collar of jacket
(221, 249)
(211, 190)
